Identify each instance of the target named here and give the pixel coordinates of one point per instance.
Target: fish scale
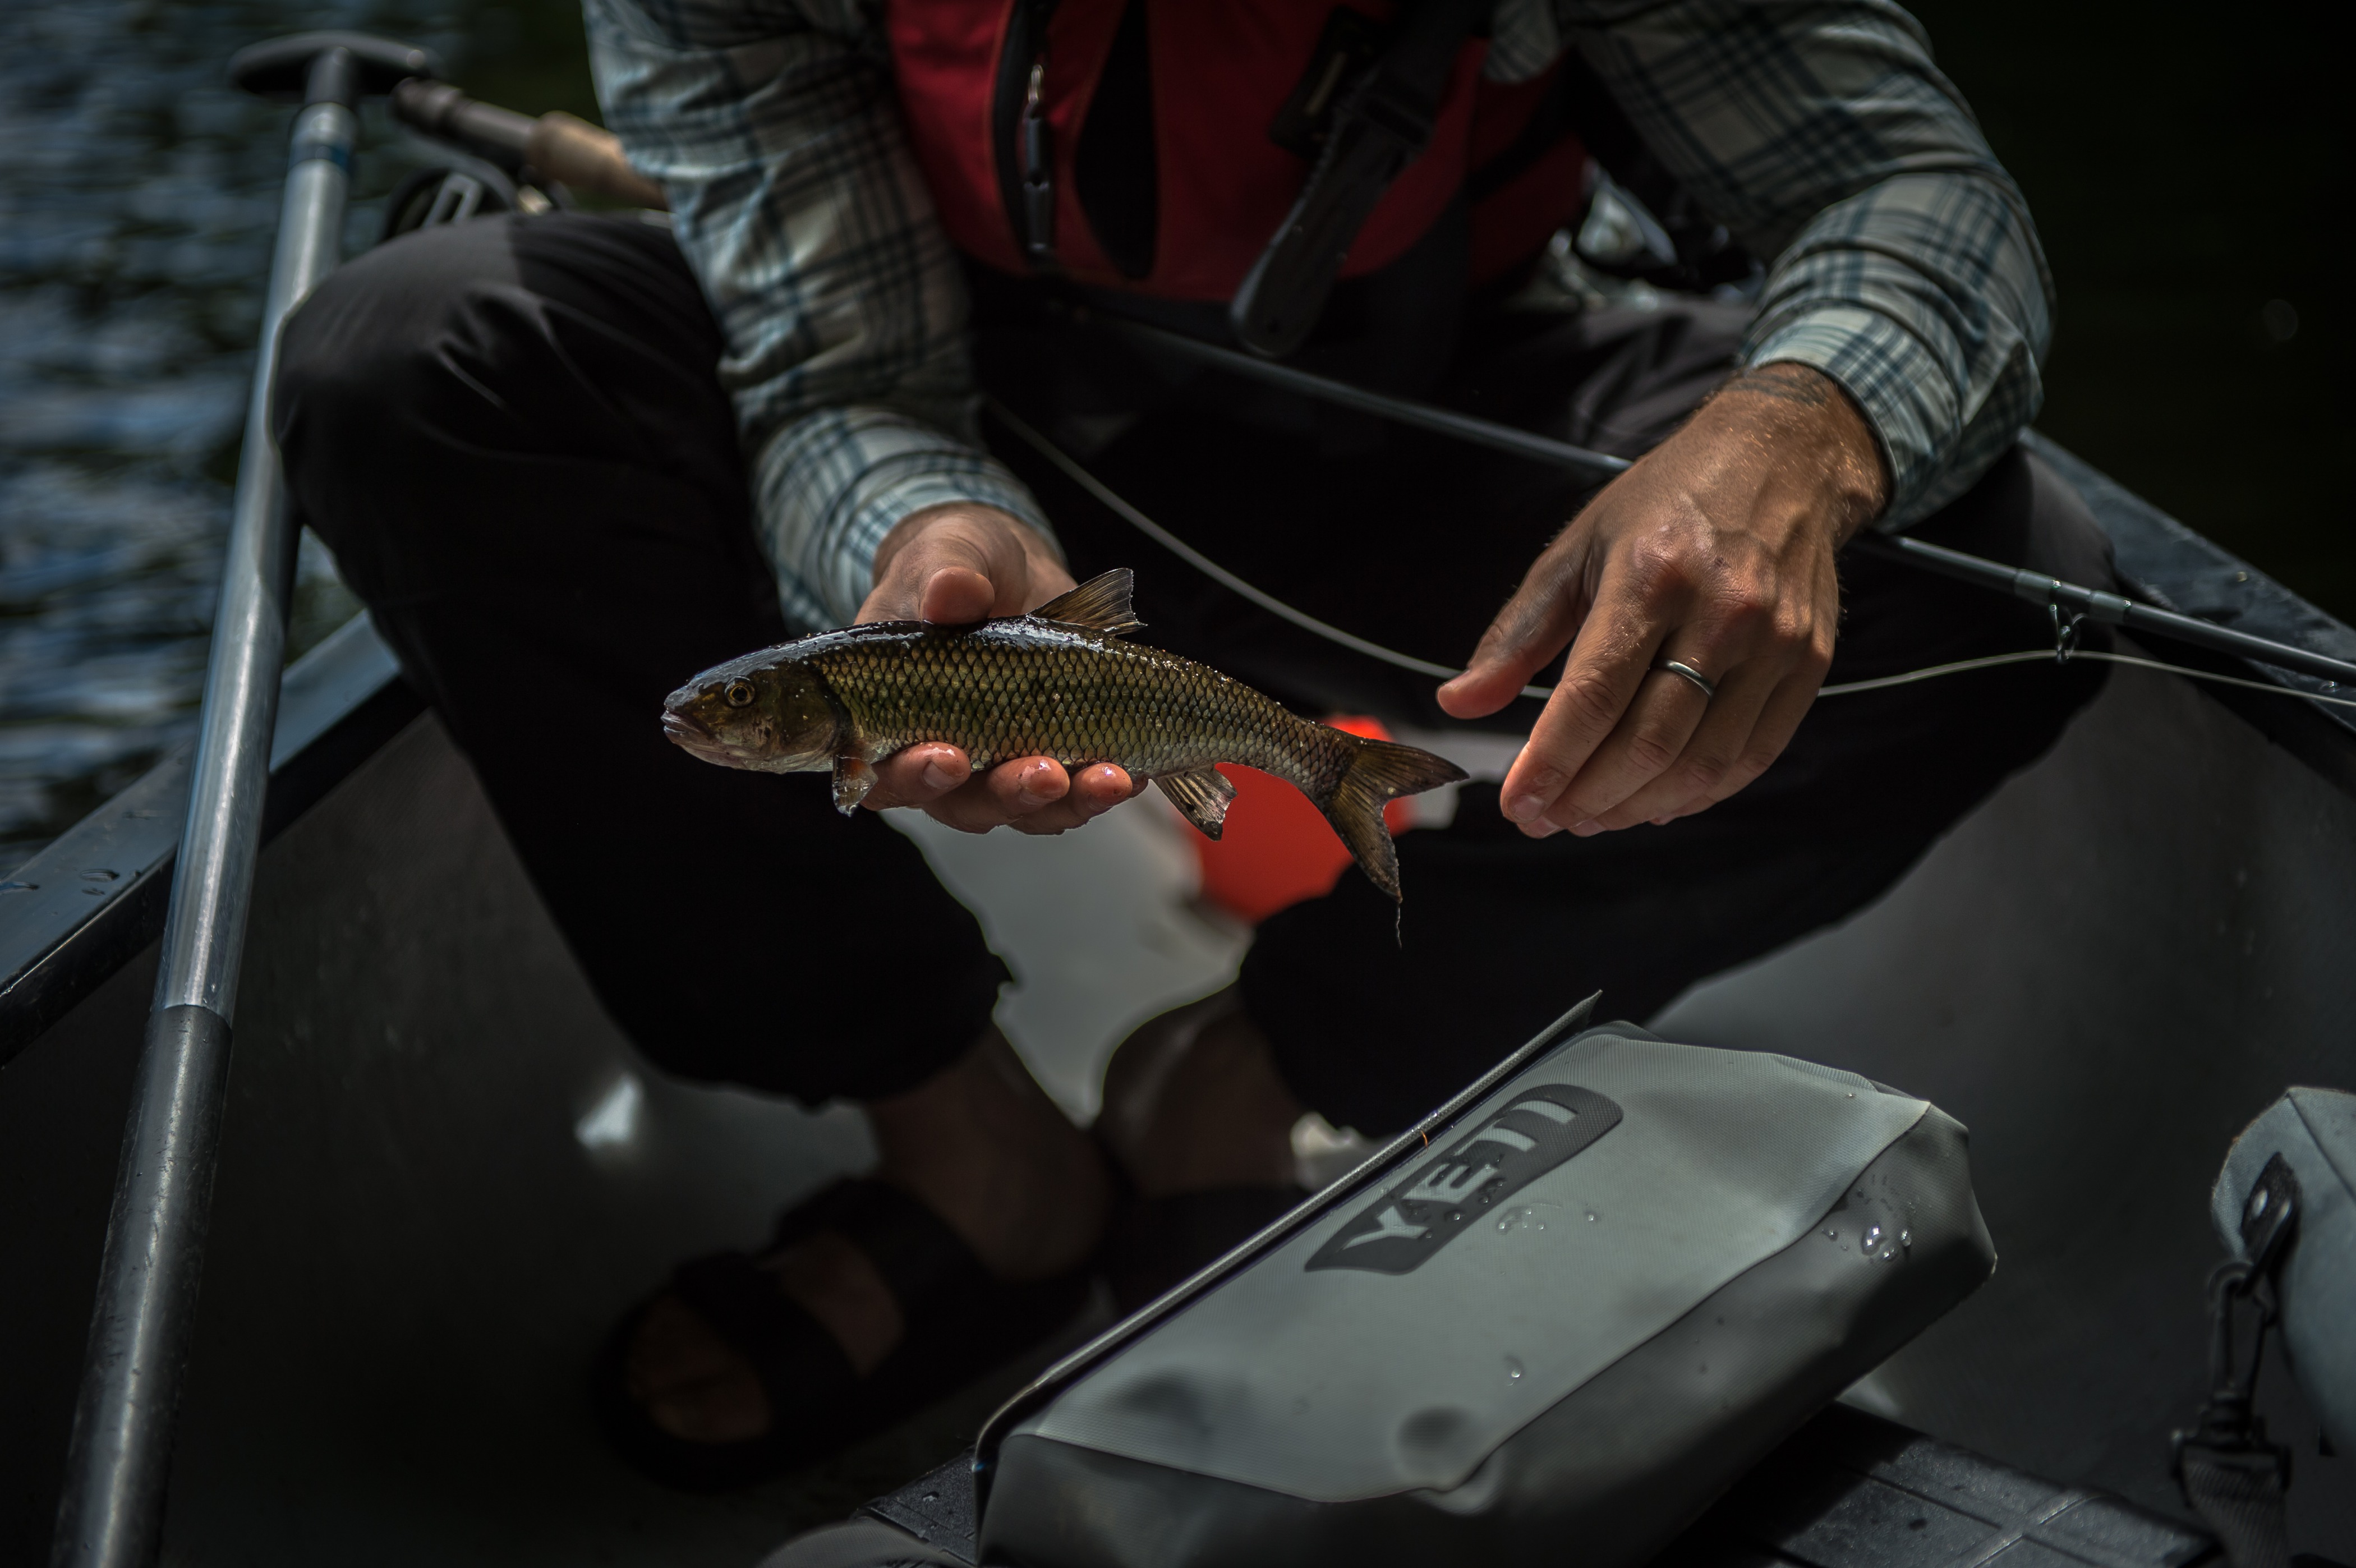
(1020, 688)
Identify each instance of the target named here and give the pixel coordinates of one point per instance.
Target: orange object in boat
(1276, 848)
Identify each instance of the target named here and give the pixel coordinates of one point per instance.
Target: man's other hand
(955, 564)
(1716, 551)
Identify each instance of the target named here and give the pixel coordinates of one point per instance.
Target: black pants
(511, 434)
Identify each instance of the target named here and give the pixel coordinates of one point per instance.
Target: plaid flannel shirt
(1817, 131)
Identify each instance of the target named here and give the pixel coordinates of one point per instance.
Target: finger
(1095, 790)
(1608, 664)
(1778, 722)
(1662, 719)
(1537, 623)
(956, 567)
(1717, 745)
(919, 775)
(949, 544)
(1007, 791)
(1022, 786)
(1101, 785)
(956, 593)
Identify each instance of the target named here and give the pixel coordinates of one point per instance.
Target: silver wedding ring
(1702, 682)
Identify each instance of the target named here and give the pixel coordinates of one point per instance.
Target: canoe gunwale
(64, 931)
(2164, 563)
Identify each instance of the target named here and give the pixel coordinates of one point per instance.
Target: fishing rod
(2065, 599)
(111, 1513)
(583, 155)
(2064, 650)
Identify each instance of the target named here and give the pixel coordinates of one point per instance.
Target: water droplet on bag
(1906, 1238)
(1832, 1235)
(1872, 1235)
(1592, 1217)
(1513, 1370)
(1887, 1254)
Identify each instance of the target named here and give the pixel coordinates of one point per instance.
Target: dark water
(138, 198)
(2189, 173)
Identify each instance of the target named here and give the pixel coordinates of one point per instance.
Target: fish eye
(739, 692)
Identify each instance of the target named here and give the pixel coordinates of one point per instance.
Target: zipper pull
(1037, 152)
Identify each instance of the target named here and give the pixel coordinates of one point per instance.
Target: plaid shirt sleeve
(773, 130)
(1906, 265)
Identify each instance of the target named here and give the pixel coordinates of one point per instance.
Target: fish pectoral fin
(853, 778)
(1100, 604)
(1201, 795)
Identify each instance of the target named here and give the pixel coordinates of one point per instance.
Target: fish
(1062, 682)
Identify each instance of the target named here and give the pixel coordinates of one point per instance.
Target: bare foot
(981, 1146)
(1193, 1102)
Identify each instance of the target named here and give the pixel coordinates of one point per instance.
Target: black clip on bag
(1560, 1315)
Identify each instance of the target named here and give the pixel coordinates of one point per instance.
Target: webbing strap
(2240, 1497)
(2229, 1472)
(1381, 127)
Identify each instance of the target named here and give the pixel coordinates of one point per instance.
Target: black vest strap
(1380, 128)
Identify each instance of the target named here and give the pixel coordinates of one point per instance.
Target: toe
(691, 1382)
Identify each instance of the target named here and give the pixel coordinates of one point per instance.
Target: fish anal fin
(1100, 604)
(1381, 771)
(1201, 795)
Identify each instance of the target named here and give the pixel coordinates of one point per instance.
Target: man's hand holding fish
(953, 566)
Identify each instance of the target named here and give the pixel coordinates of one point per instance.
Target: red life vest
(1221, 73)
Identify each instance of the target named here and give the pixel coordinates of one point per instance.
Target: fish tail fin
(1380, 772)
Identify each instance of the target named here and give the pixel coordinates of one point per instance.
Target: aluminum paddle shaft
(110, 1514)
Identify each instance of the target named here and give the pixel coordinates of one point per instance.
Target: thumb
(957, 592)
(948, 571)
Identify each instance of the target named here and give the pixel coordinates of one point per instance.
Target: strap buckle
(1383, 125)
(2229, 1434)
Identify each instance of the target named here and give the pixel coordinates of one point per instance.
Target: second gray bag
(1554, 1322)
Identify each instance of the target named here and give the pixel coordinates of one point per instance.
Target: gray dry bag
(2285, 1205)
(2305, 1144)
(1551, 1323)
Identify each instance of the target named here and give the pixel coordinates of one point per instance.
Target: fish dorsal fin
(1100, 604)
(1201, 795)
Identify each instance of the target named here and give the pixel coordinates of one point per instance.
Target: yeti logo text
(1389, 1222)
(1539, 1129)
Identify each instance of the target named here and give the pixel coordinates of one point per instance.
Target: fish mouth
(700, 741)
(694, 736)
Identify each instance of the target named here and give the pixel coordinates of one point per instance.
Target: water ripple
(136, 227)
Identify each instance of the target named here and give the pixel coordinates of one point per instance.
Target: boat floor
(444, 1177)
(1847, 1490)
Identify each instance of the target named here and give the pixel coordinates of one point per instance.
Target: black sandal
(960, 1322)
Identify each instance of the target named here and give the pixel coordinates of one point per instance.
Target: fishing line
(2033, 655)
(1072, 469)
(1210, 568)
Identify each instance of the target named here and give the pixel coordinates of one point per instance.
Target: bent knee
(393, 329)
